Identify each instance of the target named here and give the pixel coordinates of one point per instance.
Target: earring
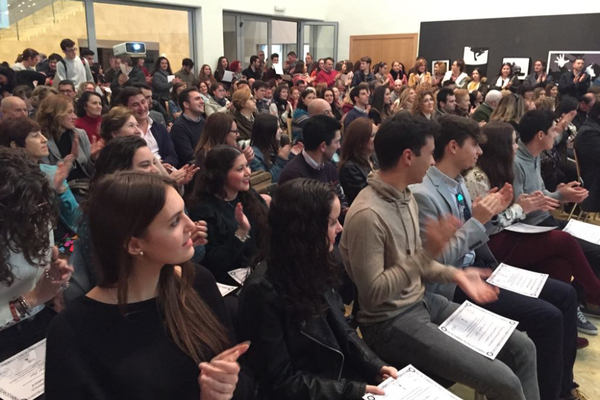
(141, 253)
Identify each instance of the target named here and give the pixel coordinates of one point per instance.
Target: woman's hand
(54, 279)
(96, 146)
(218, 378)
(249, 153)
(284, 152)
(183, 175)
(531, 202)
(200, 233)
(387, 372)
(242, 220)
(62, 171)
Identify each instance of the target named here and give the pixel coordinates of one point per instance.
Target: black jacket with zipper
(322, 358)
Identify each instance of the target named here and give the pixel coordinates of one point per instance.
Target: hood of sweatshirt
(387, 191)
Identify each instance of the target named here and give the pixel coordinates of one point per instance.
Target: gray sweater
(528, 179)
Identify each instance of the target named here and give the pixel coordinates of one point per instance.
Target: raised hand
(505, 195)
(297, 148)
(439, 232)
(485, 209)
(532, 202)
(572, 192)
(75, 147)
(218, 378)
(62, 171)
(248, 152)
(54, 279)
(472, 282)
(242, 220)
(97, 146)
(284, 152)
(200, 233)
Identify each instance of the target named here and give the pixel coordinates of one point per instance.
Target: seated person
(26, 133)
(217, 102)
(154, 321)
(358, 157)
(293, 314)
(321, 141)
(269, 155)
(173, 108)
(300, 115)
(235, 214)
(587, 145)
(550, 320)
(245, 110)
(382, 253)
(188, 127)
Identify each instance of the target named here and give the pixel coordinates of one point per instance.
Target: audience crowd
(252, 234)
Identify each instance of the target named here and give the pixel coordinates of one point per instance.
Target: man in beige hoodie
(382, 252)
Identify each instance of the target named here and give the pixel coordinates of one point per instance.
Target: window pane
(229, 37)
(165, 32)
(41, 25)
(255, 35)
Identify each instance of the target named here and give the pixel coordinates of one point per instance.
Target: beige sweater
(382, 252)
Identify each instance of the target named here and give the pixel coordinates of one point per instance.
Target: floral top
(478, 185)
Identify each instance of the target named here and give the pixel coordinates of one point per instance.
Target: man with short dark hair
(360, 98)
(328, 75)
(88, 55)
(156, 111)
(321, 141)
(364, 74)
(309, 61)
(446, 103)
(253, 71)
(109, 73)
(188, 126)
(383, 255)
(270, 73)
(186, 73)
(550, 320)
(67, 88)
(259, 88)
(292, 59)
(157, 137)
(72, 67)
(576, 82)
(133, 74)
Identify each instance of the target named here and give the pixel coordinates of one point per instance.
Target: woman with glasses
(220, 128)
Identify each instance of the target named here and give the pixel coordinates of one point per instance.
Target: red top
(328, 78)
(90, 125)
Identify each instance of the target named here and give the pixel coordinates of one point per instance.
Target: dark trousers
(551, 323)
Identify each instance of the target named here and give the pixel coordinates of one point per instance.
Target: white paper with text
(527, 283)
(22, 375)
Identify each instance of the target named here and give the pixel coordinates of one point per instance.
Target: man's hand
(438, 232)
(485, 209)
(572, 192)
(472, 282)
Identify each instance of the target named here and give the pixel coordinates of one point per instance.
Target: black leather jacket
(319, 359)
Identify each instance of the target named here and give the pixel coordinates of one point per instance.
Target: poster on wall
(476, 57)
(445, 64)
(520, 66)
(560, 62)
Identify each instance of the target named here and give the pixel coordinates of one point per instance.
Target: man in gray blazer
(550, 320)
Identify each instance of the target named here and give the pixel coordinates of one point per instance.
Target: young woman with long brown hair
(155, 326)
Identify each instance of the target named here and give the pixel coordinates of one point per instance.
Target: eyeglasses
(462, 203)
(236, 131)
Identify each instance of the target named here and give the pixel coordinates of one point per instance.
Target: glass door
(320, 39)
(254, 35)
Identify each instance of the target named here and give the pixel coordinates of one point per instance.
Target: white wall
(357, 17)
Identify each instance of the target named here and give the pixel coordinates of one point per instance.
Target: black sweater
(94, 353)
(185, 134)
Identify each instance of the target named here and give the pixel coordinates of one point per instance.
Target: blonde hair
(51, 113)
(40, 93)
(510, 108)
(114, 120)
(240, 97)
(416, 106)
(461, 93)
(403, 99)
(442, 67)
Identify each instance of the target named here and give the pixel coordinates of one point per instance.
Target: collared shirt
(151, 140)
(362, 110)
(192, 119)
(313, 164)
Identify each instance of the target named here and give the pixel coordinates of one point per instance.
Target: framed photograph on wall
(560, 62)
(520, 66)
(445, 62)
(476, 57)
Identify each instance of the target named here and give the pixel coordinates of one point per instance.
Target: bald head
(13, 107)
(492, 98)
(319, 107)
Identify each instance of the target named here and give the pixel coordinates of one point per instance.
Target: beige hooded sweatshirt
(382, 252)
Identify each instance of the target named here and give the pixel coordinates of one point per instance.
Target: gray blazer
(84, 158)
(436, 200)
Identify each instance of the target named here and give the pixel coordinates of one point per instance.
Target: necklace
(112, 295)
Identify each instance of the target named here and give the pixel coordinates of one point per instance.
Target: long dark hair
(123, 206)
(356, 138)
(28, 212)
(82, 103)
(156, 66)
(279, 102)
(215, 131)
(264, 135)
(378, 102)
(212, 180)
(497, 158)
(300, 264)
(116, 156)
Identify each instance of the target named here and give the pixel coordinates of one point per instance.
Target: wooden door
(388, 48)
